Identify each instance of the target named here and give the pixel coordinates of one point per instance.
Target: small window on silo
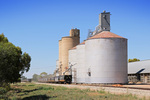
(89, 73)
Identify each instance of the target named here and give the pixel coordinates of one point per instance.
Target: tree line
(133, 60)
(35, 77)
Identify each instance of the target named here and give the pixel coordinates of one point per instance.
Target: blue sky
(37, 25)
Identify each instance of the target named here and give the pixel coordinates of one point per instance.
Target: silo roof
(105, 34)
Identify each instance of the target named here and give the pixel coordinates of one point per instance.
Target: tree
(43, 74)
(12, 62)
(133, 60)
(23, 78)
(35, 77)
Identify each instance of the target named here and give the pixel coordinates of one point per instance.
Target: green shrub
(5, 85)
(101, 91)
(2, 90)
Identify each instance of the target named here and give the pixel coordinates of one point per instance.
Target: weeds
(101, 91)
(31, 85)
(29, 91)
(45, 88)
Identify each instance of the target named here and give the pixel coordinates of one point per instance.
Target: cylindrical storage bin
(66, 44)
(73, 61)
(81, 63)
(106, 58)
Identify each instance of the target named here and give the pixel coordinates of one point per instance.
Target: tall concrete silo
(106, 58)
(80, 51)
(67, 43)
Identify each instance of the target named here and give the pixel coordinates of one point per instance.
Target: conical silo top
(105, 34)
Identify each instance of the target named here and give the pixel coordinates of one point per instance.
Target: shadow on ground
(38, 97)
(30, 90)
(3, 98)
(17, 90)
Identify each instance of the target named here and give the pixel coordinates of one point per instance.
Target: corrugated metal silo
(73, 61)
(81, 63)
(106, 58)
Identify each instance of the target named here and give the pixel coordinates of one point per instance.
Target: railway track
(112, 86)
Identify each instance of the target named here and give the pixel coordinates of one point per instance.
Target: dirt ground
(138, 86)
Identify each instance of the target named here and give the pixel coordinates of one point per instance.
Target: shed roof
(139, 67)
(105, 34)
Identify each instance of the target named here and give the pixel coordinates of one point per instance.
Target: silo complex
(100, 59)
(65, 44)
(106, 58)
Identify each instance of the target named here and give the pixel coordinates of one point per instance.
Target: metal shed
(139, 71)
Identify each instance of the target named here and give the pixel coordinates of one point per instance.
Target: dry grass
(30, 91)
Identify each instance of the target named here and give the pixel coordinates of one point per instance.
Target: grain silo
(106, 58)
(73, 61)
(65, 44)
(80, 51)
